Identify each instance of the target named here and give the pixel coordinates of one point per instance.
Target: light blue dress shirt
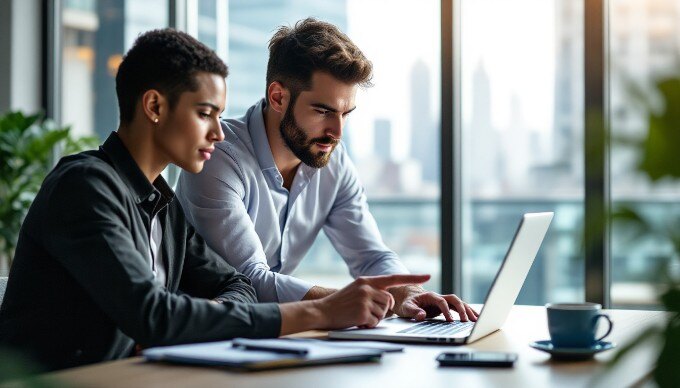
(239, 205)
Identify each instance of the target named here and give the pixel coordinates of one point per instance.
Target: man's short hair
(312, 45)
(166, 60)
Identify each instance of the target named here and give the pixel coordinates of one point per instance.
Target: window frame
(596, 118)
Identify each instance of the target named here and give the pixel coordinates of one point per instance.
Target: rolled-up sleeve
(352, 230)
(214, 203)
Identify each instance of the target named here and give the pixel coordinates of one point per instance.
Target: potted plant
(29, 145)
(660, 159)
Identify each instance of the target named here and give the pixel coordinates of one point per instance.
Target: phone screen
(483, 356)
(499, 359)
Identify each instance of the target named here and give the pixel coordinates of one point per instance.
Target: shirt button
(152, 197)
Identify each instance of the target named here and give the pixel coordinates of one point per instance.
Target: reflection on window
(96, 34)
(522, 105)
(644, 48)
(392, 137)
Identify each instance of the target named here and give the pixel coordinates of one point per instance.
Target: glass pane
(644, 51)
(207, 22)
(393, 136)
(522, 141)
(96, 34)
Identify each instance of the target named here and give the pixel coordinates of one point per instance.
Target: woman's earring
(155, 120)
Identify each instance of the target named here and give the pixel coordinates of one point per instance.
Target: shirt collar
(263, 152)
(132, 175)
(258, 133)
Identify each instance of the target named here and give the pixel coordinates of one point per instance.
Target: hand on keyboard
(414, 302)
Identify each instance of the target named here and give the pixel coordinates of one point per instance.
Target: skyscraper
(424, 134)
(482, 138)
(567, 138)
(382, 139)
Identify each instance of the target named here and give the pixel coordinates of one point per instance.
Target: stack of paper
(251, 354)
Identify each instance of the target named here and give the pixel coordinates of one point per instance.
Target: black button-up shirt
(81, 287)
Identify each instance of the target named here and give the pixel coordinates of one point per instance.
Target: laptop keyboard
(437, 327)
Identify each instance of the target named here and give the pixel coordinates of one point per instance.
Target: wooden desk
(415, 367)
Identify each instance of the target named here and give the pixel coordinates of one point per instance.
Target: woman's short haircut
(166, 60)
(295, 53)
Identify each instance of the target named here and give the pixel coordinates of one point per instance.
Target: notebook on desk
(500, 299)
(253, 355)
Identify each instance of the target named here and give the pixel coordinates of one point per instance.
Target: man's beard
(297, 141)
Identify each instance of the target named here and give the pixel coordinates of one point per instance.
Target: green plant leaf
(671, 299)
(634, 221)
(667, 372)
(661, 157)
(650, 334)
(27, 148)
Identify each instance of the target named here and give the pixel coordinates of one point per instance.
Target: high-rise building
(382, 139)
(424, 133)
(644, 43)
(567, 132)
(482, 138)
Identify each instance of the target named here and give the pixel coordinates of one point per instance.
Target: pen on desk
(275, 348)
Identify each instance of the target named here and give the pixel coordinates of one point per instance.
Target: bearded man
(282, 174)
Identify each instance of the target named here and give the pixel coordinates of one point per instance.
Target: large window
(644, 44)
(522, 148)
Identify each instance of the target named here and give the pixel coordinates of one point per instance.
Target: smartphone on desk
(483, 359)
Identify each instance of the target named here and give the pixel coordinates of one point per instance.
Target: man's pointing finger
(386, 281)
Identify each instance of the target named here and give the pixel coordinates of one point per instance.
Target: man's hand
(417, 303)
(363, 302)
(318, 292)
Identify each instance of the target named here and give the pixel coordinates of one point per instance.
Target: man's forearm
(318, 292)
(301, 316)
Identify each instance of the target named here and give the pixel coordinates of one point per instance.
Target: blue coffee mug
(574, 325)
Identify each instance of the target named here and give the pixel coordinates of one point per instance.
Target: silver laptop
(502, 295)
